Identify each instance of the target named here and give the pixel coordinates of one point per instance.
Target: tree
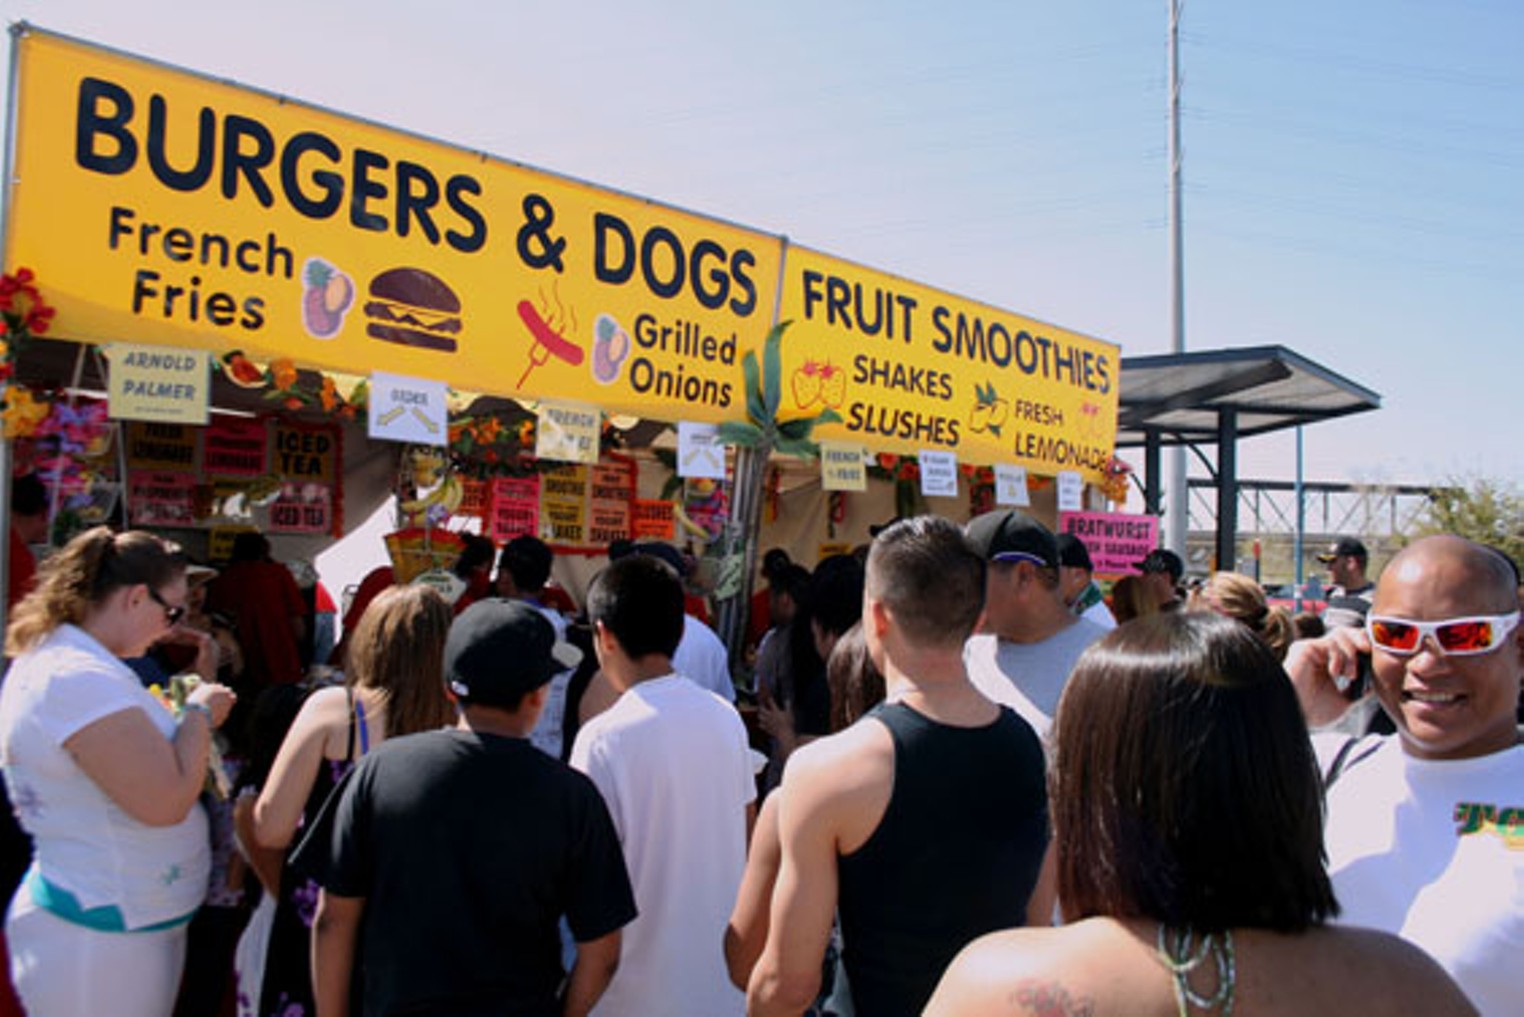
(1484, 510)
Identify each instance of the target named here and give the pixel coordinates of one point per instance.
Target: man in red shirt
(263, 596)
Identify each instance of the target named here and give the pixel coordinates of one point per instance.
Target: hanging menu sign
(613, 489)
(653, 519)
(157, 498)
(515, 507)
(563, 504)
(234, 447)
(153, 446)
(307, 452)
(302, 508)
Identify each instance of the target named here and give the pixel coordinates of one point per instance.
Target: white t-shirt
(672, 763)
(86, 844)
(701, 656)
(1434, 851)
(1028, 677)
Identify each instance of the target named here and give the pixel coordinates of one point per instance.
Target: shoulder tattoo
(1038, 998)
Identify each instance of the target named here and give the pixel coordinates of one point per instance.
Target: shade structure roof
(1181, 395)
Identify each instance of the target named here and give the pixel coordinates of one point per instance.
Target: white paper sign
(939, 473)
(1011, 485)
(567, 432)
(407, 409)
(1071, 491)
(699, 452)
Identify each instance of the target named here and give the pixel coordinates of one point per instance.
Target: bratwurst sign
(160, 206)
(908, 368)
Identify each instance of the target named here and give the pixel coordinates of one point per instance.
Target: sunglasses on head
(1457, 637)
(172, 612)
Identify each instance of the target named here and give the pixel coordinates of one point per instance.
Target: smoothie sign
(909, 368)
(162, 206)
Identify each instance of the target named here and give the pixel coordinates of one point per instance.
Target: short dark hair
(475, 552)
(640, 600)
(930, 577)
(1184, 786)
(250, 545)
(835, 593)
(528, 560)
(792, 580)
(29, 495)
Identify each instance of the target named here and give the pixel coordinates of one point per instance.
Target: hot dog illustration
(547, 342)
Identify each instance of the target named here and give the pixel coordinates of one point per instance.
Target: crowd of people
(958, 777)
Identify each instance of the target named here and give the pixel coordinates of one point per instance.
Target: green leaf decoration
(801, 447)
(740, 433)
(827, 416)
(671, 487)
(753, 383)
(793, 430)
(772, 369)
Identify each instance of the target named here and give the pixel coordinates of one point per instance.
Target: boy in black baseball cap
(459, 851)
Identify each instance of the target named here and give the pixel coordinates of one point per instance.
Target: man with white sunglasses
(1425, 828)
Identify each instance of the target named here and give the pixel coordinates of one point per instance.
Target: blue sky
(1351, 170)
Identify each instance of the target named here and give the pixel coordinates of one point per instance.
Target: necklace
(1181, 954)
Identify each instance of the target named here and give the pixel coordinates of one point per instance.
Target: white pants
(65, 970)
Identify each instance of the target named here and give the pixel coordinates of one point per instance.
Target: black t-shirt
(468, 849)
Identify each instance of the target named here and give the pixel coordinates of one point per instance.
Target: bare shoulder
(1077, 970)
(843, 781)
(1389, 975)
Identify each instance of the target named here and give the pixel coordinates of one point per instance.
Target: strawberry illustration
(833, 384)
(807, 382)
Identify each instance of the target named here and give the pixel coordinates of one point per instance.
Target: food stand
(333, 268)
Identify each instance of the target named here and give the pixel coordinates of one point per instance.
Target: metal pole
(1177, 516)
(1301, 522)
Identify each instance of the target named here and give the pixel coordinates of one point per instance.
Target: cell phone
(1363, 677)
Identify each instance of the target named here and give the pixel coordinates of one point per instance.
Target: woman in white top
(1188, 823)
(105, 780)
(395, 687)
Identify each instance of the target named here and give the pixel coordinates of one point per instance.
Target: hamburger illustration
(414, 308)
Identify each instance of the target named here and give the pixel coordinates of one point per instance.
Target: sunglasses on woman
(172, 612)
(1458, 637)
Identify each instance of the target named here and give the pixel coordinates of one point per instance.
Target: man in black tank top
(926, 822)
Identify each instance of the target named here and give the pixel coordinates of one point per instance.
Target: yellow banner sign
(910, 368)
(158, 205)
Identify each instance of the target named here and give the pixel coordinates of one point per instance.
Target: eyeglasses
(172, 612)
(1458, 637)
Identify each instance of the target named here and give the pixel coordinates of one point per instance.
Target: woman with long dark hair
(1188, 822)
(395, 686)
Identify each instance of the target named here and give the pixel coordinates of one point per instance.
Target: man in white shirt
(1030, 639)
(1426, 827)
(672, 762)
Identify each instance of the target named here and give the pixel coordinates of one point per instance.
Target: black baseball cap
(1344, 547)
(1072, 553)
(1010, 536)
(1162, 561)
(498, 650)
